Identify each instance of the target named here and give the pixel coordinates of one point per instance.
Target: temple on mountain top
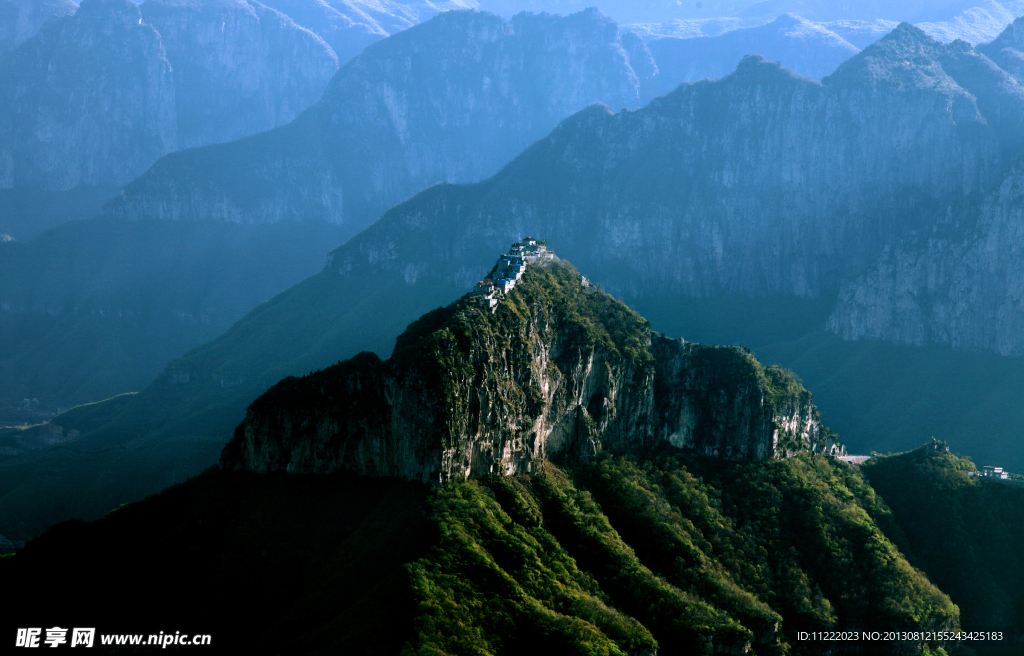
(510, 269)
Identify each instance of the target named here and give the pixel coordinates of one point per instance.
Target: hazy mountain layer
(21, 19)
(88, 101)
(98, 97)
(72, 331)
(348, 26)
(452, 99)
(800, 45)
(959, 282)
(239, 67)
(761, 183)
(1007, 50)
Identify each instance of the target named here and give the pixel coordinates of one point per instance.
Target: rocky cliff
(557, 369)
(959, 282)
(21, 19)
(87, 101)
(239, 66)
(96, 97)
(452, 99)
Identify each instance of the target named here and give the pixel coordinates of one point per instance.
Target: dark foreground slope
(964, 531)
(617, 557)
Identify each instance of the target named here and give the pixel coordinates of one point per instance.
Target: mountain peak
(906, 58)
(535, 362)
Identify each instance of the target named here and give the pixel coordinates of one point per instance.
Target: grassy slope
(613, 558)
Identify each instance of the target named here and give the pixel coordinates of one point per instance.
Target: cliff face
(960, 282)
(87, 101)
(21, 19)
(557, 369)
(452, 99)
(96, 97)
(239, 67)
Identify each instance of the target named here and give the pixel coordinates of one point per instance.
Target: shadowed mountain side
(452, 99)
(625, 556)
(73, 331)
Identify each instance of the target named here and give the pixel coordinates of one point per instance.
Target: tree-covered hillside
(623, 556)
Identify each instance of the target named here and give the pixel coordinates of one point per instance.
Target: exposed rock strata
(557, 370)
(960, 282)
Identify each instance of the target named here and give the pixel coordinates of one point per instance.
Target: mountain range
(758, 187)
(605, 489)
(89, 100)
(225, 227)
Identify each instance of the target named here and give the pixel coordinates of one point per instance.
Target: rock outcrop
(557, 369)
